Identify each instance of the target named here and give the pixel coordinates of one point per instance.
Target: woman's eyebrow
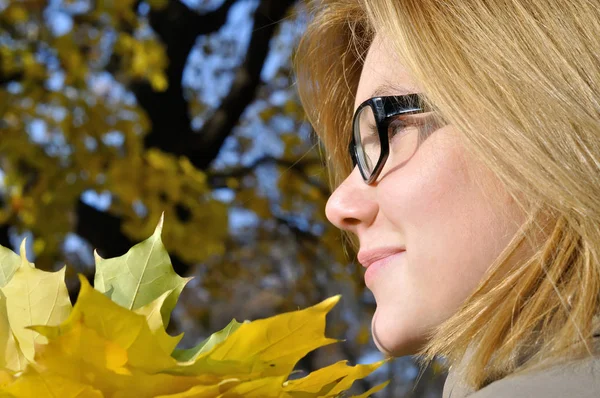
(386, 89)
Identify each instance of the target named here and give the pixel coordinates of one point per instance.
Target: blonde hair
(520, 80)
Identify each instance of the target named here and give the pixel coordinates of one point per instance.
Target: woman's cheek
(431, 202)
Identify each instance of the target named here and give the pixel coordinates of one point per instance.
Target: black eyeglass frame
(385, 110)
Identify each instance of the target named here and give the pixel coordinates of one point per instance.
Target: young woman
(463, 137)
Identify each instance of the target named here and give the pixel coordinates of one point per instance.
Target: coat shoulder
(576, 379)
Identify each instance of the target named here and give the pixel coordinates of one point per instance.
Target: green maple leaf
(191, 354)
(141, 276)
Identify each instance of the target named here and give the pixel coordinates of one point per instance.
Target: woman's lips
(375, 260)
(368, 257)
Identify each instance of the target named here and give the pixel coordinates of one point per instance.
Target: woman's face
(435, 222)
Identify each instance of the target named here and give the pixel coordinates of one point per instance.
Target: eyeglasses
(381, 120)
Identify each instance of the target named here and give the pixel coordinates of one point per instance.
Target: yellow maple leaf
(267, 347)
(267, 387)
(201, 391)
(35, 384)
(330, 381)
(11, 356)
(83, 355)
(81, 345)
(11, 262)
(152, 313)
(27, 304)
(121, 326)
(372, 391)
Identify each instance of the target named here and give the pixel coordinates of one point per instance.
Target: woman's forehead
(383, 74)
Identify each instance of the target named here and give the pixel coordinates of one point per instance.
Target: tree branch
(304, 236)
(177, 21)
(4, 236)
(204, 147)
(178, 27)
(15, 76)
(219, 179)
(168, 111)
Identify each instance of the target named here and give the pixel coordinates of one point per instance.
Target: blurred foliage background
(114, 111)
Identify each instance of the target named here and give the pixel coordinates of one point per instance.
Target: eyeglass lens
(405, 134)
(366, 137)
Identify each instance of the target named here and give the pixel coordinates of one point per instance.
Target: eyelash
(396, 126)
(401, 125)
(425, 123)
(372, 129)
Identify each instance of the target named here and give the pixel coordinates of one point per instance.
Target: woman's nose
(352, 204)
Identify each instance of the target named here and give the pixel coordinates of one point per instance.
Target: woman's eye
(401, 126)
(396, 127)
(369, 134)
(424, 123)
(372, 129)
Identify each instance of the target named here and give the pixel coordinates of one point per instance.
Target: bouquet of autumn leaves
(113, 343)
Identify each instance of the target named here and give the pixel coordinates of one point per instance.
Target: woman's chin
(392, 339)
